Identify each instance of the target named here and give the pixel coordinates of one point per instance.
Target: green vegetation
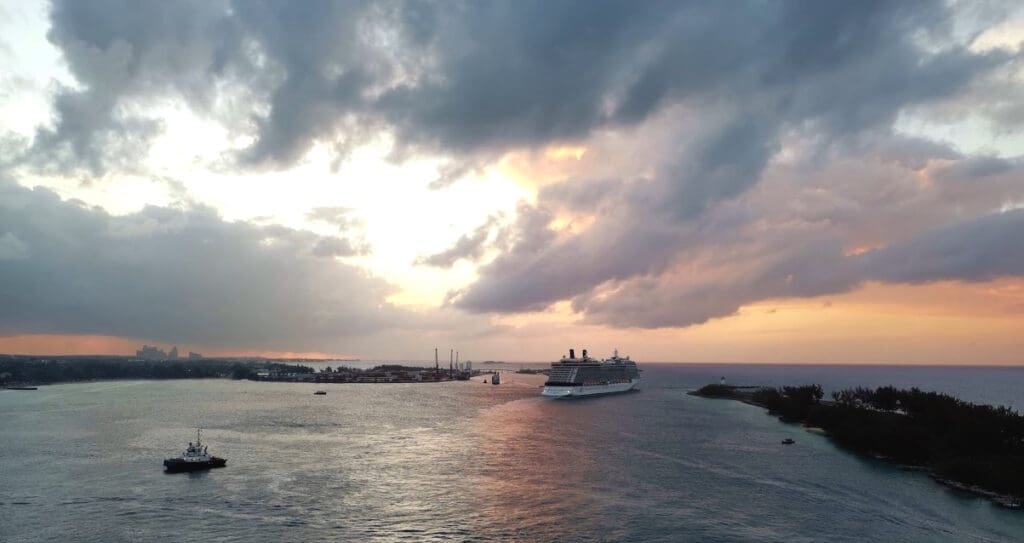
(970, 445)
(719, 391)
(792, 404)
(393, 368)
(38, 370)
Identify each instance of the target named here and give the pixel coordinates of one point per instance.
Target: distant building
(194, 356)
(150, 352)
(174, 353)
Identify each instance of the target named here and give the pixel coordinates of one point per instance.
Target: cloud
(335, 247)
(126, 54)
(337, 216)
(976, 168)
(343, 219)
(181, 275)
(980, 249)
(469, 246)
(544, 265)
(826, 88)
(487, 77)
(12, 248)
(805, 230)
(756, 153)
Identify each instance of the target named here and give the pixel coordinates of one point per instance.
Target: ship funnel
(572, 353)
(584, 353)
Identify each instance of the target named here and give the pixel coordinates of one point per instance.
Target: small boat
(22, 388)
(496, 378)
(320, 393)
(195, 458)
(485, 381)
(788, 441)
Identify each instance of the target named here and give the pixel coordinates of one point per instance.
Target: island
(968, 447)
(384, 373)
(19, 371)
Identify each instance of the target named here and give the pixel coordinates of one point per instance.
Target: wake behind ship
(587, 376)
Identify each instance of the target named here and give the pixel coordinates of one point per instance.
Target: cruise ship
(586, 376)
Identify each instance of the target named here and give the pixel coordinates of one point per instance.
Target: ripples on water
(469, 462)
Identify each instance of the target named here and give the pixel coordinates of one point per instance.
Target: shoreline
(745, 395)
(37, 386)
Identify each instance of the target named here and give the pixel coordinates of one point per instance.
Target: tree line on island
(16, 370)
(971, 446)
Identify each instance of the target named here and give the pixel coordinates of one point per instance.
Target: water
(470, 462)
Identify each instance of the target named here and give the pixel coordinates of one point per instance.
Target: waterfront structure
(586, 376)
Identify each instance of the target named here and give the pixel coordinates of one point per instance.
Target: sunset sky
(834, 182)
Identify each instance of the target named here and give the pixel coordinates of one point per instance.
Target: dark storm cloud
(541, 267)
(831, 72)
(465, 78)
(119, 51)
(791, 237)
(473, 80)
(327, 62)
(976, 168)
(811, 269)
(177, 275)
(980, 249)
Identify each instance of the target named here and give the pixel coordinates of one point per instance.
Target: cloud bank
(182, 275)
(472, 77)
(735, 152)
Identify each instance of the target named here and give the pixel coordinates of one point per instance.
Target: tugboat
(195, 458)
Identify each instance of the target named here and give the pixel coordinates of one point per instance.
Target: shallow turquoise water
(468, 462)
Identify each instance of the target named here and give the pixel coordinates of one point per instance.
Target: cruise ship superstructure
(586, 376)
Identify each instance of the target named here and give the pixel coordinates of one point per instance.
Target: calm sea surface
(471, 462)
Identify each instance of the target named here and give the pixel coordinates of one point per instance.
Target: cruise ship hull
(564, 391)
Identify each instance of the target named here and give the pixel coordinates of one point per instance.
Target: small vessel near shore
(496, 378)
(195, 458)
(320, 393)
(788, 441)
(571, 376)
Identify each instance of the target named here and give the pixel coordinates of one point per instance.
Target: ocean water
(466, 461)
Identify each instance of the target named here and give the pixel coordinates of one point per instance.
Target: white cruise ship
(571, 376)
